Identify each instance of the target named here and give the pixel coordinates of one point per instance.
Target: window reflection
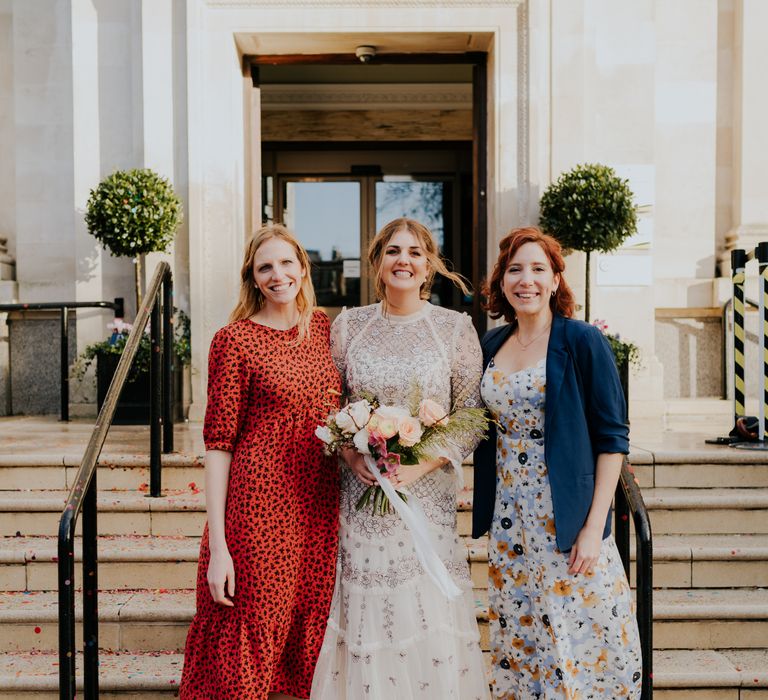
(325, 216)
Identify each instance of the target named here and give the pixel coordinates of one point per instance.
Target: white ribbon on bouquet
(413, 516)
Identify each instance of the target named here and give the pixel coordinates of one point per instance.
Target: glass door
(336, 201)
(327, 216)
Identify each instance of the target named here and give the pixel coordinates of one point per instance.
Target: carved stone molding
(372, 4)
(385, 96)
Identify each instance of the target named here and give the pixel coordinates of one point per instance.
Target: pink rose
(385, 420)
(432, 413)
(410, 431)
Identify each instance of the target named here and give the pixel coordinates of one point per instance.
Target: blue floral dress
(553, 634)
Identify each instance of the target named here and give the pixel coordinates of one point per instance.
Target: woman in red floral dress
(268, 553)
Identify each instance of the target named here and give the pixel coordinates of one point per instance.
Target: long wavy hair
(496, 303)
(251, 299)
(435, 263)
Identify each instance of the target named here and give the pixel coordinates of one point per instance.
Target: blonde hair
(251, 300)
(424, 236)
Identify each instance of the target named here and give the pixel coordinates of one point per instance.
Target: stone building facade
(218, 94)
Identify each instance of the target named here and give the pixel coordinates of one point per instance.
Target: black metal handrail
(629, 501)
(82, 496)
(63, 307)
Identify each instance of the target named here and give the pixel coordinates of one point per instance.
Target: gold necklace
(531, 342)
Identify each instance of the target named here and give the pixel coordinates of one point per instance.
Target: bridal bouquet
(395, 435)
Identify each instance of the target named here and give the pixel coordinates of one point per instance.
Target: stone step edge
(170, 460)
(638, 456)
(153, 548)
(178, 606)
(161, 671)
(193, 499)
(677, 498)
(111, 501)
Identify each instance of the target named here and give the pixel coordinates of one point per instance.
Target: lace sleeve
(339, 345)
(466, 373)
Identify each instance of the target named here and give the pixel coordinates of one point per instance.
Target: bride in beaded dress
(391, 631)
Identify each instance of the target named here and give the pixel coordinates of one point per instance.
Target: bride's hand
(357, 464)
(406, 474)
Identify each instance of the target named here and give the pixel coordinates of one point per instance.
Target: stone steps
(176, 512)
(182, 512)
(157, 620)
(681, 561)
(129, 562)
(709, 516)
(682, 510)
(677, 674)
(693, 468)
(120, 471)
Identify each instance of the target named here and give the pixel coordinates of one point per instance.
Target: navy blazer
(584, 416)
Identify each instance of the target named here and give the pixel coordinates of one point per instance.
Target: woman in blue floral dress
(559, 602)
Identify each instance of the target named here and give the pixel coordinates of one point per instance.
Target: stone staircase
(709, 512)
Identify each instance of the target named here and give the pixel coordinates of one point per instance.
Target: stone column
(750, 135)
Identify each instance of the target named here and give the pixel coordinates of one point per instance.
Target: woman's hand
(585, 551)
(406, 474)
(356, 463)
(221, 578)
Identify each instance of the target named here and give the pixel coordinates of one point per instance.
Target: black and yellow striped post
(762, 258)
(738, 264)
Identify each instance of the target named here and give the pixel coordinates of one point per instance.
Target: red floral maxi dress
(265, 399)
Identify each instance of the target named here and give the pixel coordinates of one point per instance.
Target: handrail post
(738, 264)
(621, 525)
(155, 400)
(90, 592)
(168, 363)
(66, 570)
(762, 257)
(644, 587)
(64, 362)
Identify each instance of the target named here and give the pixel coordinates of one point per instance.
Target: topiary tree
(134, 212)
(589, 208)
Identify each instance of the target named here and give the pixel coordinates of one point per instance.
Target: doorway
(336, 200)
(335, 168)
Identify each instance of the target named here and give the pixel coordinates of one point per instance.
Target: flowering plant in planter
(625, 352)
(133, 406)
(115, 345)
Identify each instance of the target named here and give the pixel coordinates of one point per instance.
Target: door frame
(479, 62)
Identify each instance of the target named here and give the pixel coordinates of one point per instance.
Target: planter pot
(133, 404)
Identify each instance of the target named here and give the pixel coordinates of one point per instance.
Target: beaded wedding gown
(391, 632)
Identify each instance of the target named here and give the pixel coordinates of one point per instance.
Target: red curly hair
(496, 303)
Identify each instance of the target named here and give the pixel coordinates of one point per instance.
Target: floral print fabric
(553, 635)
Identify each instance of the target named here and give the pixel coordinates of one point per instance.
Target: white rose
(392, 412)
(360, 411)
(410, 431)
(345, 423)
(324, 433)
(432, 413)
(361, 442)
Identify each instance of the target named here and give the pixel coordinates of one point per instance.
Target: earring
(553, 292)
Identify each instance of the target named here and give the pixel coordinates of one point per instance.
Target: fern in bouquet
(396, 435)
